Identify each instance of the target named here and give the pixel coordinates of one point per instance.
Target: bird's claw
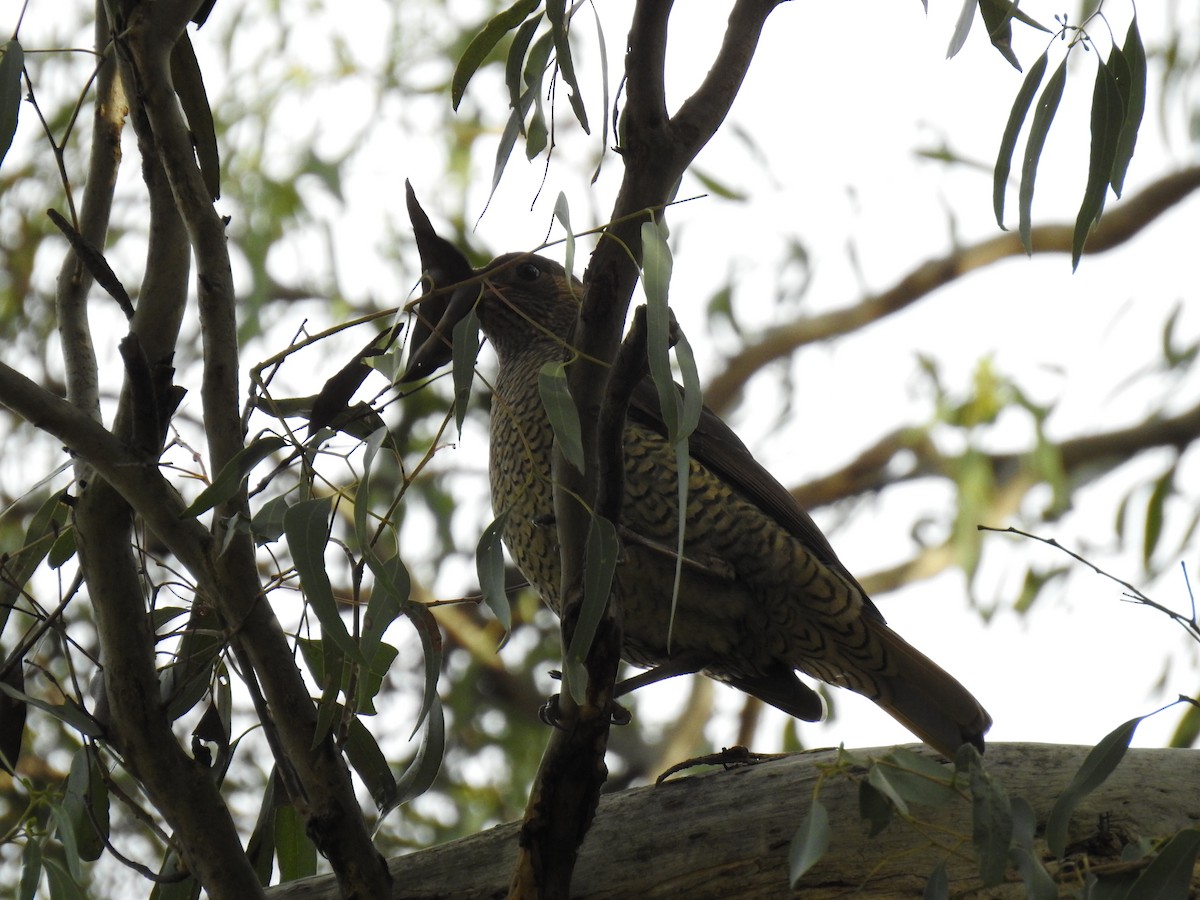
(551, 714)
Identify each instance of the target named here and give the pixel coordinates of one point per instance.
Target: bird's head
(521, 300)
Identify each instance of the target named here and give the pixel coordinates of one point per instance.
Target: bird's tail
(927, 699)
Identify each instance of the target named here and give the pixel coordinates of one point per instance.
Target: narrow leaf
(564, 417)
(18, 568)
(484, 42)
(1043, 117)
(1163, 487)
(11, 65)
(1169, 875)
(809, 843)
(489, 564)
(1134, 55)
(1107, 115)
(962, 28)
(1008, 142)
(991, 824)
(229, 480)
(465, 342)
(418, 777)
(12, 716)
(516, 61)
(296, 853)
(306, 528)
(599, 564)
(431, 651)
(1099, 764)
(368, 760)
(556, 14)
(938, 885)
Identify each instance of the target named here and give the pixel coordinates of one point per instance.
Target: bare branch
(1116, 226)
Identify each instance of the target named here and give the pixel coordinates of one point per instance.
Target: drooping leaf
(1164, 486)
(873, 808)
(998, 19)
(12, 716)
(368, 760)
(1008, 142)
(1038, 883)
(516, 62)
(484, 42)
(228, 481)
(1134, 56)
(938, 885)
(431, 650)
(1169, 875)
(465, 339)
(85, 804)
(1097, 766)
(489, 564)
(599, 565)
(306, 527)
(560, 407)
(425, 765)
(1107, 115)
(19, 566)
(962, 27)
(556, 14)
(809, 843)
(12, 63)
(294, 850)
(991, 824)
(1043, 117)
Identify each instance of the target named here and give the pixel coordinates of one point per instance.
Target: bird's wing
(716, 447)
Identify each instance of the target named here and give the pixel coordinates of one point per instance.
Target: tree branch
(1120, 223)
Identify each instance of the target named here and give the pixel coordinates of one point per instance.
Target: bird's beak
(432, 336)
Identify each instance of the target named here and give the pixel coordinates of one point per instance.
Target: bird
(762, 594)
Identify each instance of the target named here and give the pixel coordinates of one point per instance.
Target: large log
(726, 833)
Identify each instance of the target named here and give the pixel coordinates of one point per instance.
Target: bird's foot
(551, 713)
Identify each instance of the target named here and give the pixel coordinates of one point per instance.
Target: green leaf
(418, 777)
(599, 564)
(1164, 485)
(1008, 143)
(85, 805)
(560, 407)
(296, 853)
(362, 750)
(809, 843)
(879, 778)
(489, 564)
(1107, 114)
(1038, 883)
(306, 528)
(233, 474)
(484, 42)
(40, 536)
(431, 649)
(562, 212)
(1043, 117)
(1099, 764)
(1169, 875)
(556, 14)
(516, 60)
(11, 65)
(962, 27)
(918, 779)
(67, 712)
(991, 824)
(873, 808)
(938, 885)
(1134, 56)
(31, 870)
(465, 342)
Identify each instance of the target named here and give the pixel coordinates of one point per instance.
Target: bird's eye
(528, 272)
